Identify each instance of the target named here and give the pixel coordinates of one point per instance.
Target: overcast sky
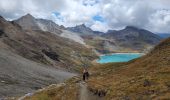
(100, 15)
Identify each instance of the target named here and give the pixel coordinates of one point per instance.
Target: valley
(46, 60)
(144, 78)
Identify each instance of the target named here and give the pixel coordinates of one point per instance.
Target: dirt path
(85, 94)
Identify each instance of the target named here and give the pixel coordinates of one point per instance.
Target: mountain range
(130, 39)
(28, 22)
(133, 38)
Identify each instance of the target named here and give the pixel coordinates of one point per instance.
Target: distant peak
(131, 27)
(28, 16)
(82, 25)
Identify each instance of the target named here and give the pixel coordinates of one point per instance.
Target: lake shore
(117, 57)
(121, 53)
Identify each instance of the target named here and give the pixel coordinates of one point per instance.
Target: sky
(99, 15)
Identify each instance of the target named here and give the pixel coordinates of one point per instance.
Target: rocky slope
(19, 76)
(72, 36)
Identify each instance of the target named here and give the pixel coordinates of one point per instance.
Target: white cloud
(116, 13)
(160, 21)
(99, 26)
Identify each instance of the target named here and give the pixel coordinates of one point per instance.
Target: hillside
(19, 76)
(145, 78)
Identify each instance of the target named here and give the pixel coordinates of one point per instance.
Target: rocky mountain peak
(131, 27)
(82, 25)
(82, 29)
(28, 16)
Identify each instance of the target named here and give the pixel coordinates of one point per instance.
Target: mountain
(145, 78)
(81, 29)
(28, 22)
(132, 34)
(130, 39)
(164, 35)
(31, 59)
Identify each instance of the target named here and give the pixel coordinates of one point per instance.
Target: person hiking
(85, 74)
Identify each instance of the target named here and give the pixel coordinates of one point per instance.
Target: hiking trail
(85, 94)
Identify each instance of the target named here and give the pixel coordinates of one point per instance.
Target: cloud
(160, 21)
(97, 14)
(100, 26)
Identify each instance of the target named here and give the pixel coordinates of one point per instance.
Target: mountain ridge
(81, 29)
(129, 39)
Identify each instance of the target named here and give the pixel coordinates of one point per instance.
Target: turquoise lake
(118, 57)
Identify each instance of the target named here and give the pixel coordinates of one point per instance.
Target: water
(118, 57)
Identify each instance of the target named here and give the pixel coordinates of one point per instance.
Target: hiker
(85, 74)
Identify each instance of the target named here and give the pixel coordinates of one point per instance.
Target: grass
(143, 78)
